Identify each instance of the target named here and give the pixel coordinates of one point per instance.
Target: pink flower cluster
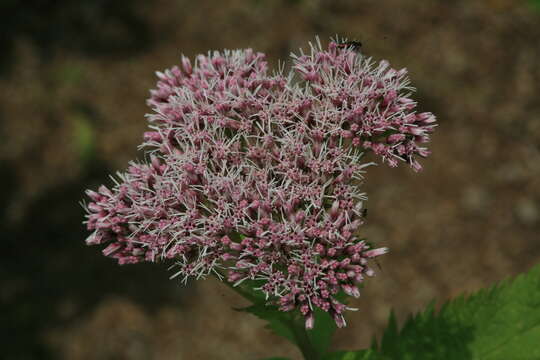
(257, 175)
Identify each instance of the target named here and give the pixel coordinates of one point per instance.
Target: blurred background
(74, 77)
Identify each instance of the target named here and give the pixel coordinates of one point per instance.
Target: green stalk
(302, 340)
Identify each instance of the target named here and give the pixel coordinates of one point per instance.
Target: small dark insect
(364, 212)
(377, 262)
(354, 45)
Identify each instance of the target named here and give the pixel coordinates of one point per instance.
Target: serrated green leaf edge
(499, 322)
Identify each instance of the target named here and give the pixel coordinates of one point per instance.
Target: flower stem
(303, 341)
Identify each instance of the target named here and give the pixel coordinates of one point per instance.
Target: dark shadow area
(89, 27)
(49, 276)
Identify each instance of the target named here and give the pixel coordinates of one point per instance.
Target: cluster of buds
(256, 176)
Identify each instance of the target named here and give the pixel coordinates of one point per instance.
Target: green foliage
(535, 4)
(501, 322)
(282, 324)
(71, 74)
(84, 137)
(321, 334)
(290, 325)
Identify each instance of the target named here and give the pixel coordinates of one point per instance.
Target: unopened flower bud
(310, 321)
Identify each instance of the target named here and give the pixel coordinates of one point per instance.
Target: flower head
(256, 175)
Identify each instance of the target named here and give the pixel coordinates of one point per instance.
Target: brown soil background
(74, 79)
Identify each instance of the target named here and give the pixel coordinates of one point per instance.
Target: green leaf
(290, 325)
(71, 74)
(322, 332)
(501, 322)
(84, 137)
(355, 355)
(279, 322)
(535, 4)
(277, 358)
